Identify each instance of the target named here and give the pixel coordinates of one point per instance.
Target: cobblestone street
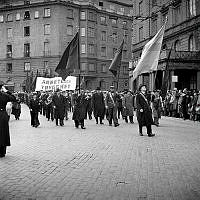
(101, 162)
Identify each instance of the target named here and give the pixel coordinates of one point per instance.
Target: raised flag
(70, 59)
(116, 62)
(150, 54)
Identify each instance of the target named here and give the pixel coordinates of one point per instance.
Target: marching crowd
(110, 105)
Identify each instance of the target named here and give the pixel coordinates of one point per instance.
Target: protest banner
(46, 84)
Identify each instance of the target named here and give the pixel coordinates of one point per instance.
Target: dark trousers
(130, 119)
(2, 150)
(34, 119)
(77, 123)
(149, 130)
(100, 119)
(112, 115)
(61, 122)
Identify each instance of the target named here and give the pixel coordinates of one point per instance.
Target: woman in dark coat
(80, 110)
(5, 97)
(98, 105)
(144, 113)
(16, 108)
(34, 107)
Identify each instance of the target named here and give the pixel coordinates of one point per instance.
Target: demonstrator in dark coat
(80, 110)
(5, 97)
(98, 105)
(144, 113)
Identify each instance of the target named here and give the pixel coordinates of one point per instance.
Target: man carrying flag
(70, 59)
(150, 54)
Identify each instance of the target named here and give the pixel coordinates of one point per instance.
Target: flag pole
(79, 66)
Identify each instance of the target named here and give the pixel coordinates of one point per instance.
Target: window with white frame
(192, 5)
(47, 29)
(9, 32)
(103, 51)
(103, 68)
(83, 15)
(91, 32)
(114, 22)
(27, 66)
(9, 18)
(91, 67)
(18, 16)
(70, 13)
(1, 18)
(91, 48)
(47, 12)
(83, 32)
(103, 35)
(103, 20)
(83, 48)
(36, 14)
(83, 67)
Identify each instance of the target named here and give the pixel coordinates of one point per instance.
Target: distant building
(35, 33)
(182, 33)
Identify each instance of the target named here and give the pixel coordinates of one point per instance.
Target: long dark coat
(59, 103)
(144, 118)
(4, 126)
(98, 105)
(80, 108)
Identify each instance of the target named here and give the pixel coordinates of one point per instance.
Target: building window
(26, 31)
(69, 30)
(112, 7)
(191, 8)
(1, 18)
(176, 15)
(9, 33)
(103, 68)
(9, 51)
(153, 26)
(36, 14)
(103, 51)
(140, 33)
(102, 84)
(83, 67)
(47, 29)
(46, 49)
(82, 32)
(91, 16)
(91, 67)
(125, 54)
(177, 45)
(103, 35)
(47, 12)
(124, 24)
(83, 15)
(27, 66)
(103, 20)
(100, 3)
(121, 10)
(141, 8)
(27, 50)
(70, 14)
(9, 18)
(18, 16)
(83, 48)
(91, 48)
(191, 46)
(90, 32)
(114, 37)
(114, 22)
(9, 68)
(27, 15)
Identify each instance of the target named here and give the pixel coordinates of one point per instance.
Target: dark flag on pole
(116, 62)
(165, 83)
(70, 59)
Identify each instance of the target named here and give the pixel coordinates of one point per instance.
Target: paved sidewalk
(101, 162)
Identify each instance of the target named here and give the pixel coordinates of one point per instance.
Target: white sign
(174, 79)
(46, 84)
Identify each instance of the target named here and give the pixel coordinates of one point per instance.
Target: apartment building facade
(182, 34)
(34, 35)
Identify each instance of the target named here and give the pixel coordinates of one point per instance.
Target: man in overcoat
(98, 105)
(5, 96)
(58, 102)
(80, 110)
(111, 106)
(144, 113)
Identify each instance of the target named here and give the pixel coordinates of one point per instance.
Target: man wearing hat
(98, 105)
(5, 96)
(144, 113)
(58, 102)
(111, 106)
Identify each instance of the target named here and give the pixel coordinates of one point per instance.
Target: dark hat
(98, 88)
(58, 90)
(140, 86)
